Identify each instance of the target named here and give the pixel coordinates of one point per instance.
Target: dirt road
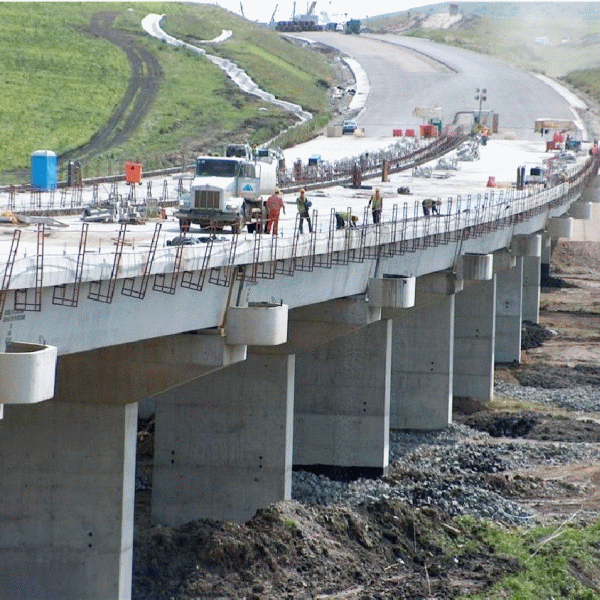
(146, 74)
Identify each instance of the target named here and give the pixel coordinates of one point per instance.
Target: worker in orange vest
(274, 206)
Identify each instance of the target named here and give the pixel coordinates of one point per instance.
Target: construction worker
(427, 205)
(345, 218)
(274, 206)
(303, 204)
(377, 204)
(485, 132)
(435, 207)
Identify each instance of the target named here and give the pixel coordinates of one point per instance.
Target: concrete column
(422, 366)
(509, 298)
(223, 443)
(343, 401)
(531, 288)
(530, 248)
(474, 330)
(546, 259)
(67, 482)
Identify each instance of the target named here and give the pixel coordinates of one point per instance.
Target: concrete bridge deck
(265, 353)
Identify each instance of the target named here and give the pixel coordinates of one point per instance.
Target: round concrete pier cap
(478, 267)
(560, 227)
(581, 210)
(393, 291)
(27, 373)
(258, 324)
(527, 245)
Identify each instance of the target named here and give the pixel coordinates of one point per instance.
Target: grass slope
(60, 85)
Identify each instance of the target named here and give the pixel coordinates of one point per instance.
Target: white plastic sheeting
(151, 24)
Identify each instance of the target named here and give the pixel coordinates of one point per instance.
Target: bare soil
(390, 549)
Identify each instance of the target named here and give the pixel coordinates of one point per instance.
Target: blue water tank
(44, 170)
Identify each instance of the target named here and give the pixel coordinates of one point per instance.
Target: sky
(338, 10)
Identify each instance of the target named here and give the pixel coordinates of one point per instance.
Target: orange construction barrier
(397, 132)
(491, 181)
(410, 133)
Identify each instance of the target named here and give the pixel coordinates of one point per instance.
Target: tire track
(141, 92)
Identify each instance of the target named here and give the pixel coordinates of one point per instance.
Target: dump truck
(227, 191)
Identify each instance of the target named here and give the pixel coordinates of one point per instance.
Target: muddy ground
(390, 549)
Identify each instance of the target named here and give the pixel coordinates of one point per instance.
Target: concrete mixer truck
(227, 191)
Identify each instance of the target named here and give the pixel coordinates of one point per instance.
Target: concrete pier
(343, 401)
(509, 298)
(474, 335)
(223, 443)
(531, 288)
(422, 365)
(67, 482)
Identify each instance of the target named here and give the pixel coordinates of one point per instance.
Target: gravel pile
(583, 398)
(444, 469)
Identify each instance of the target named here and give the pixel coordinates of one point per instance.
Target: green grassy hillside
(61, 85)
(58, 85)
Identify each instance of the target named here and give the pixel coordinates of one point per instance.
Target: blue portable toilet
(44, 170)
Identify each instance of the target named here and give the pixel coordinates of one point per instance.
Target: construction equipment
(226, 191)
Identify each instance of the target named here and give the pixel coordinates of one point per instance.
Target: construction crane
(311, 9)
(242, 10)
(273, 15)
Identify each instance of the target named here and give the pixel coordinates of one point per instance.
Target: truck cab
(224, 191)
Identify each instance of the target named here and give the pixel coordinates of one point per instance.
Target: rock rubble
(445, 470)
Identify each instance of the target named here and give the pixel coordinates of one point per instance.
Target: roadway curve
(131, 111)
(408, 72)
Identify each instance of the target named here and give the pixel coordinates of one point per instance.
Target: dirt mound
(534, 426)
(290, 551)
(533, 335)
(550, 377)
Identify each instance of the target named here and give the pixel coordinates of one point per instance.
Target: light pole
(481, 96)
